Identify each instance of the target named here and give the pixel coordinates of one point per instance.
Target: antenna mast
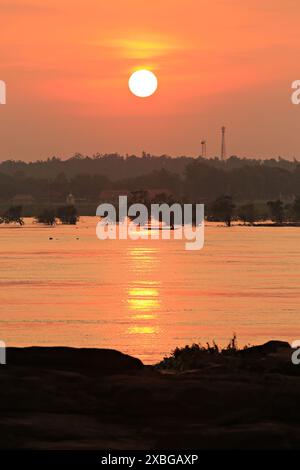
(203, 147)
(223, 145)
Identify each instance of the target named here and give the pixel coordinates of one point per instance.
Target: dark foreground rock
(98, 361)
(61, 398)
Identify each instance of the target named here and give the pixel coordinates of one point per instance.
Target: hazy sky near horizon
(66, 65)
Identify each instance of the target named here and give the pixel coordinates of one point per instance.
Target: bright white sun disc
(143, 83)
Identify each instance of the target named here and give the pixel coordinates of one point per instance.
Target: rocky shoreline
(65, 398)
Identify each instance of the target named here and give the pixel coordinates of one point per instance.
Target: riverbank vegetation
(244, 191)
(66, 215)
(223, 209)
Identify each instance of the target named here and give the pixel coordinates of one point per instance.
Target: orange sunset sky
(66, 65)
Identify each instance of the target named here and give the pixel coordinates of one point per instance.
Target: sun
(143, 83)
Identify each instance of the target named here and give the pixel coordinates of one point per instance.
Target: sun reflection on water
(143, 330)
(143, 293)
(144, 300)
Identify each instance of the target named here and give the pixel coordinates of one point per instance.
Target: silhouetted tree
(222, 209)
(296, 209)
(67, 215)
(289, 214)
(276, 209)
(47, 217)
(13, 215)
(247, 214)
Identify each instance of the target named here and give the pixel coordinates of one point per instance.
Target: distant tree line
(195, 180)
(116, 167)
(223, 209)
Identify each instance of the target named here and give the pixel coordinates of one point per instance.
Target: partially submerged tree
(247, 214)
(296, 209)
(276, 209)
(13, 215)
(47, 217)
(67, 215)
(222, 209)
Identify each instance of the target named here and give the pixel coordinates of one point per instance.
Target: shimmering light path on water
(147, 297)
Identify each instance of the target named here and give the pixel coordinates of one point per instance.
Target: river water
(146, 297)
